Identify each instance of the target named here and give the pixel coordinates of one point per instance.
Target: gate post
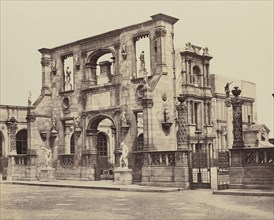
(214, 177)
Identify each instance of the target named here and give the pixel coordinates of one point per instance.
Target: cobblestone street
(36, 202)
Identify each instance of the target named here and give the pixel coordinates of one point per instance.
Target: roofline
(14, 106)
(156, 17)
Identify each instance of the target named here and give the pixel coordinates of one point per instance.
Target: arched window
(72, 145)
(196, 75)
(140, 142)
(102, 144)
(22, 142)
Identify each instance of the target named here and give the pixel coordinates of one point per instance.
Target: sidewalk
(245, 192)
(103, 184)
(109, 185)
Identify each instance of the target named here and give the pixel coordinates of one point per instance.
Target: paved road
(36, 202)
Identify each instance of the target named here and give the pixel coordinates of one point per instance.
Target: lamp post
(198, 132)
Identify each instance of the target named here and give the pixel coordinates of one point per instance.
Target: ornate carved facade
(83, 114)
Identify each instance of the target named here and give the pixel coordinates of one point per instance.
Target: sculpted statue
(166, 114)
(48, 156)
(142, 57)
(227, 91)
(123, 158)
(205, 51)
(68, 73)
(29, 99)
(53, 65)
(124, 51)
(76, 122)
(53, 123)
(123, 118)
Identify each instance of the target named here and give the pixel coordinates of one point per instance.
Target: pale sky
(239, 35)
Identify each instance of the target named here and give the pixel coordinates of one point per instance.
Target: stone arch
(93, 57)
(107, 66)
(95, 121)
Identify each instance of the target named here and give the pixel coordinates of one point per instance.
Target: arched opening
(100, 68)
(105, 145)
(22, 141)
(72, 144)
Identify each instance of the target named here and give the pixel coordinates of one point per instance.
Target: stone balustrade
(66, 160)
(257, 156)
(21, 160)
(159, 158)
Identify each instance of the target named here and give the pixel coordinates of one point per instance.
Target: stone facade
(98, 92)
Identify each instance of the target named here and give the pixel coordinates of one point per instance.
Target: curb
(234, 193)
(95, 187)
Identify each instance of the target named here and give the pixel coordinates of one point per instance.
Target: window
(72, 144)
(102, 144)
(22, 142)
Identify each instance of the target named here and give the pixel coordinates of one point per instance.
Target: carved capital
(45, 61)
(83, 53)
(30, 117)
(117, 46)
(160, 32)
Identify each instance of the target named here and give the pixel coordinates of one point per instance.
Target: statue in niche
(124, 51)
(227, 91)
(53, 124)
(48, 154)
(124, 158)
(68, 73)
(167, 115)
(68, 85)
(76, 122)
(123, 119)
(142, 70)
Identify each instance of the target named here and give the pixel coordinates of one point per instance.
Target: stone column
(182, 121)
(147, 104)
(160, 34)
(30, 172)
(46, 70)
(92, 142)
(229, 123)
(12, 127)
(237, 119)
(91, 74)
